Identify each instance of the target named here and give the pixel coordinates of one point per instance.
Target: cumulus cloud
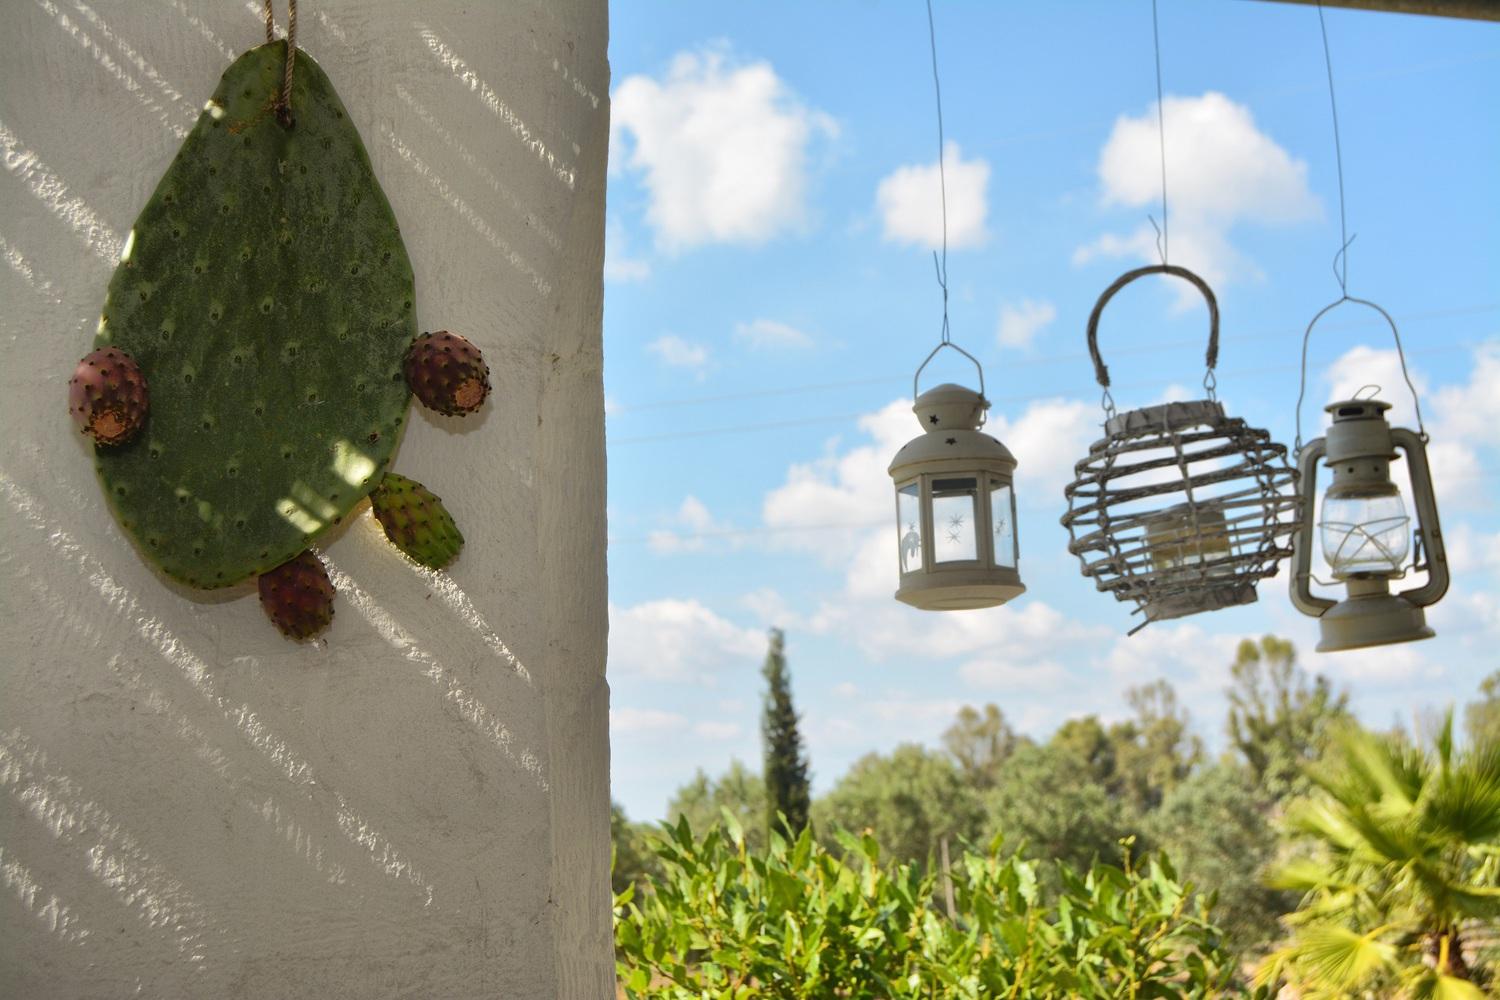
(910, 202)
(672, 350)
(693, 524)
(722, 149)
(718, 732)
(1222, 171)
(1020, 322)
(675, 639)
(1047, 438)
(644, 722)
(619, 265)
(770, 335)
(823, 503)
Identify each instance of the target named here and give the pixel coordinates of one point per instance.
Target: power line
(1027, 398)
(1158, 347)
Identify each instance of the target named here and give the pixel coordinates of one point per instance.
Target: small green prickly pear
(416, 521)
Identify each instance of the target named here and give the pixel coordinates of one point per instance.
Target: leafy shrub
(797, 921)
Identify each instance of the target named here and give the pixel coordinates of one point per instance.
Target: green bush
(797, 921)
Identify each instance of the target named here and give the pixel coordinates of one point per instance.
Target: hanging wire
(1162, 239)
(1341, 263)
(941, 266)
(1340, 259)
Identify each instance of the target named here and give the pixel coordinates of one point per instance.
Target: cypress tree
(787, 788)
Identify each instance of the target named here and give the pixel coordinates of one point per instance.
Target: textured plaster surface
(191, 805)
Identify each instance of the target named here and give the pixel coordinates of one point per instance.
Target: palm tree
(1399, 861)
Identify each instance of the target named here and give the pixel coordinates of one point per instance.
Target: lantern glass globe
(1368, 533)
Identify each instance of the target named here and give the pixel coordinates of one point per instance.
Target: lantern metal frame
(1149, 527)
(1359, 447)
(952, 446)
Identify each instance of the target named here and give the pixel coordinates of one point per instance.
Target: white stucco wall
(191, 805)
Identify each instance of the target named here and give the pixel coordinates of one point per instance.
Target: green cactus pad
(266, 294)
(416, 521)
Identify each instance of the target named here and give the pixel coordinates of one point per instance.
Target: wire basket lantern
(1179, 509)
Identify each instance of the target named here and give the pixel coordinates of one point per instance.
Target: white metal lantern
(955, 504)
(1363, 524)
(1178, 508)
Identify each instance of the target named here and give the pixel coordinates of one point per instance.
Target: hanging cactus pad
(266, 295)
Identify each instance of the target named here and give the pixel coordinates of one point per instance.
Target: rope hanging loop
(284, 101)
(1101, 371)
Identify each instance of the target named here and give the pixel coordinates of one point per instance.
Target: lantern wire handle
(940, 262)
(1400, 356)
(1163, 241)
(1341, 265)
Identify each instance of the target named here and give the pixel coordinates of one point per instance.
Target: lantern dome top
(950, 407)
(1357, 409)
(951, 415)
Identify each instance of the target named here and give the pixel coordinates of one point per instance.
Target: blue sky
(769, 292)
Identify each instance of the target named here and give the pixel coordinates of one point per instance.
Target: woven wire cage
(1179, 508)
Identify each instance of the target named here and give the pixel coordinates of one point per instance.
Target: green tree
(1399, 860)
(1214, 826)
(1047, 800)
(1278, 721)
(1088, 741)
(909, 801)
(632, 862)
(738, 791)
(1155, 751)
(981, 742)
(1482, 718)
(788, 793)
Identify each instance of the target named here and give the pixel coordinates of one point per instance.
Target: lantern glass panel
(1003, 523)
(955, 506)
(909, 526)
(1365, 534)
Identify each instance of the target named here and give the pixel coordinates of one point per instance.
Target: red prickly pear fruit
(298, 596)
(447, 373)
(107, 396)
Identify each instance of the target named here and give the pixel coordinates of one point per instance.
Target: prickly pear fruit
(447, 373)
(107, 396)
(298, 596)
(416, 521)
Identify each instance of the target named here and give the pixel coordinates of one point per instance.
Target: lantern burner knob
(949, 407)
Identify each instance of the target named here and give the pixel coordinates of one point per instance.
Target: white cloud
(1047, 439)
(1015, 678)
(619, 266)
(676, 639)
(770, 335)
(644, 722)
(718, 732)
(694, 525)
(1221, 171)
(722, 149)
(910, 201)
(824, 505)
(846, 689)
(1020, 322)
(679, 353)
